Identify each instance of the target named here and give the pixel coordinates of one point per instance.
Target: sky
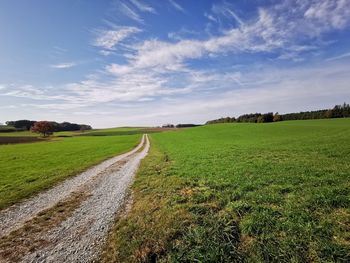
(151, 62)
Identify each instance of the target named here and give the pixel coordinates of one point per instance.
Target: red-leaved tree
(43, 127)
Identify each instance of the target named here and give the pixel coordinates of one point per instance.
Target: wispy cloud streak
(129, 12)
(226, 10)
(176, 6)
(345, 55)
(143, 7)
(63, 65)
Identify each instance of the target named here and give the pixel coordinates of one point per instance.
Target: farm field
(114, 131)
(30, 137)
(105, 132)
(18, 134)
(29, 168)
(275, 192)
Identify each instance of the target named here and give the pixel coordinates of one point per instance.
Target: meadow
(115, 131)
(32, 167)
(97, 132)
(274, 192)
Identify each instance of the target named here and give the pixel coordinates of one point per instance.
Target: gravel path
(79, 238)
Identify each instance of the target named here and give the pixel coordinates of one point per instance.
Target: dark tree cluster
(187, 125)
(252, 117)
(26, 125)
(222, 120)
(67, 126)
(339, 111)
(168, 125)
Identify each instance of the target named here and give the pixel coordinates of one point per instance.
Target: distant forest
(25, 125)
(339, 111)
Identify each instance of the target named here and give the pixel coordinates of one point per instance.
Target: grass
(18, 133)
(277, 192)
(29, 168)
(95, 132)
(114, 131)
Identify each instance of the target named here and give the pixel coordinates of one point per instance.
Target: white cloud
(106, 52)
(176, 6)
(143, 7)
(159, 68)
(259, 36)
(329, 13)
(277, 29)
(122, 87)
(116, 69)
(165, 55)
(108, 39)
(63, 65)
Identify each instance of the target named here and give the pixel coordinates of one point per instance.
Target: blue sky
(148, 62)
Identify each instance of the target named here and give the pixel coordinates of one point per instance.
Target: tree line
(26, 125)
(180, 125)
(338, 111)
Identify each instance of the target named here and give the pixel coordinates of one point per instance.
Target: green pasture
(274, 192)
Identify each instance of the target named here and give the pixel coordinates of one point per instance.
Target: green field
(29, 168)
(115, 131)
(275, 192)
(97, 132)
(18, 133)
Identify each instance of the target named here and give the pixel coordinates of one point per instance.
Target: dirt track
(69, 222)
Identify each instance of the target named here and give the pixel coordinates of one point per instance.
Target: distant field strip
(29, 168)
(102, 132)
(277, 192)
(96, 132)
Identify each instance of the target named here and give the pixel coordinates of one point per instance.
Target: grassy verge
(150, 226)
(241, 192)
(29, 168)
